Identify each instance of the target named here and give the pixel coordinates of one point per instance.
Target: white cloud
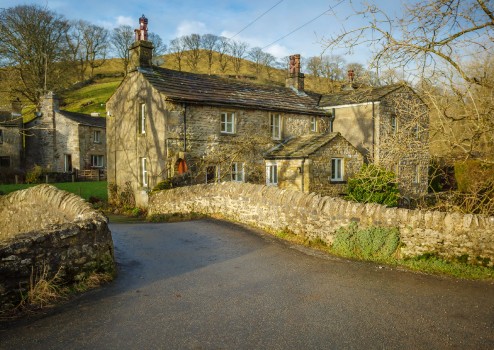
(278, 51)
(191, 27)
(121, 20)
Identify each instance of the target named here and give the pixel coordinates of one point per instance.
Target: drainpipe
(302, 171)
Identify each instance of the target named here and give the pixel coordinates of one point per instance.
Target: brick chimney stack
(351, 76)
(295, 79)
(141, 51)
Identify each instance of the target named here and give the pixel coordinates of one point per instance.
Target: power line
(303, 25)
(251, 23)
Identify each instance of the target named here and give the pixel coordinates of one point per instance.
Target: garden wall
(46, 231)
(310, 215)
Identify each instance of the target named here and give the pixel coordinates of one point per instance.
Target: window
(97, 136)
(211, 174)
(393, 124)
(228, 123)
(142, 118)
(4, 162)
(68, 163)
(96, 161)
(313, 124)
(1, 136)
(275, 125)
(415, 132)
(331, 124)
(272, 175)
(144, 172)
(238, 172)
(337, 169)
(416, 174)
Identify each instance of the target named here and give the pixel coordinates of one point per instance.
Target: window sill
(337, 182)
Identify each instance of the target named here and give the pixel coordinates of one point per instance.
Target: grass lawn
(83, 189)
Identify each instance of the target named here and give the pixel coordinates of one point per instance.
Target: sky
(173, 18)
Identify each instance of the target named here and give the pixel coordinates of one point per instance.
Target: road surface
(214, 285)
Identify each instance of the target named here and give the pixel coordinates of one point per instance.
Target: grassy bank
(83, 189)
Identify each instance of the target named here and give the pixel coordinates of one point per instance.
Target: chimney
(141, 51)
(295, 79)
(351, 76)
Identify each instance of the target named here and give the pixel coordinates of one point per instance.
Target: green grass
(91, 98)
(83, 189)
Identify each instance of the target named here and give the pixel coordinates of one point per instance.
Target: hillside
(91, 96)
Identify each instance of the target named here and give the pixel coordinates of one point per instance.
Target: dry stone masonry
(447, 234)
(48, 230)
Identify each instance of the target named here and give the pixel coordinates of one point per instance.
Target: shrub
(372, 243)
(34, 175)
(373, 184)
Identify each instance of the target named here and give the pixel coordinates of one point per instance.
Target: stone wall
(46, 231)
(310, 215)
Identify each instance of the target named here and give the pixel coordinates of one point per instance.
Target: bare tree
(223, 51)
(256, 55)
(314, 66)
(88, 45)
(159, 47)
(193, 45)
(238, 50)
(33, 43)
(122, 38)
(209, 43)
(177, 50)
(268, 61)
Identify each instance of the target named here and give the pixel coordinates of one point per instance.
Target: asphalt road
(213, 285)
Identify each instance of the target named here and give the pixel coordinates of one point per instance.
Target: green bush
(373, 184)
(372, 243)
(34, 175)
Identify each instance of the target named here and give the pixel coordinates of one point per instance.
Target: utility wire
(251, 23)
(303, 25)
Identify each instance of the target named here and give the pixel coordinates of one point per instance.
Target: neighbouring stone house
(163, 123)
(11, 152)
(389, 125)
(320, 163)
(65, 142)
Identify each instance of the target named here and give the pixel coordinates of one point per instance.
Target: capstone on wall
(446, 234)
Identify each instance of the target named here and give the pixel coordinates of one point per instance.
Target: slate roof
(212, 90)
(361, 95)
(301, 146)
(85, 119)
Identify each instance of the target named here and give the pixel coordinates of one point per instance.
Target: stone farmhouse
(65, 142)
(11, 151)
(389, 125)
(163, 124)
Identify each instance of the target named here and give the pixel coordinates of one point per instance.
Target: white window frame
(97, 136)
(272, 174)
(394, 124)
(238, 174)
(227, 123)
(144, 172)
(67, 165)
(142, 118)
(275, 125)
(97, 161)
(337, 169)
(313, 124)
(416, 174)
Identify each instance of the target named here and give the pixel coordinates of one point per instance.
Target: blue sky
(173, 18)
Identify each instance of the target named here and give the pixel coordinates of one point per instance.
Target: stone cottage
(320, 163)
(65, 142)
(164, 124)
(11, 152)
(389, 125)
